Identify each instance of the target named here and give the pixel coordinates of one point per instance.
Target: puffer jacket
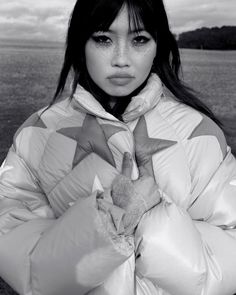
(61, 233)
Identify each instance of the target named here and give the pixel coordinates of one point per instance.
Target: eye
(101, 40)
(140, 40)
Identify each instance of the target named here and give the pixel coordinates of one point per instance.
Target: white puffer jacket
(61, 235)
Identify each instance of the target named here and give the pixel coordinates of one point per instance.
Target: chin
(120, 92)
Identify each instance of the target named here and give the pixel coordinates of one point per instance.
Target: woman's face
(120, 59)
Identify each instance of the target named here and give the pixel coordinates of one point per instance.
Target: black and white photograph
(118, 147)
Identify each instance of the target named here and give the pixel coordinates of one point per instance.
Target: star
(146, 146)
(110, 130)
(90, 138)
(33, 121)
(207, 127)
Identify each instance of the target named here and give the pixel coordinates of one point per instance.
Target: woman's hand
(135, 197)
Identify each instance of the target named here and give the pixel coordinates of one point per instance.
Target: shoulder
(189, 124)
(199, 148)
(48, 120)
(32, 136)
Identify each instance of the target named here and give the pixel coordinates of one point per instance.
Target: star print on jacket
(207, 127)
(33, 121)
(91, 138)
(146, 146)
(110, 130)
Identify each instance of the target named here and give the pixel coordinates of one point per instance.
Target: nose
(121, 55)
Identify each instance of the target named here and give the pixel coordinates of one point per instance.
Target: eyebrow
(135, 31)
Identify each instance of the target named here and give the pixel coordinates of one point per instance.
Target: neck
(112, 104)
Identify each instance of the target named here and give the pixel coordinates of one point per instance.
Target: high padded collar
(139, 105)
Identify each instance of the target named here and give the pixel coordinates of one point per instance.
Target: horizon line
(31, 39)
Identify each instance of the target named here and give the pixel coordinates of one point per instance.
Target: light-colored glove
(135, 197)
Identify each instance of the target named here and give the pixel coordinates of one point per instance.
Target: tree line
(223, 38)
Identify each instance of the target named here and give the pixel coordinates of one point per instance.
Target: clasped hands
(135, 197)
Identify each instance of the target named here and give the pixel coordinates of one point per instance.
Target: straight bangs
(102, 15)
(141, 15)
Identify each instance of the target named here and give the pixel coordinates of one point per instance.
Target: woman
(119, 189)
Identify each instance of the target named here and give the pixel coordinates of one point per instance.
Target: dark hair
(89, 16)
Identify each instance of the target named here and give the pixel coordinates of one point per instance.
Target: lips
(120, 79)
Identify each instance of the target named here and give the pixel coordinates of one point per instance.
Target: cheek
(96, 61)
(147, 58)
(151, 54)
(91, 65)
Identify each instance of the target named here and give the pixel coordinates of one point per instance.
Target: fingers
(127, 165)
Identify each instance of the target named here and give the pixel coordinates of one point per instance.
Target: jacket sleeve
(24, 215)
(55, 256)
(192, 252)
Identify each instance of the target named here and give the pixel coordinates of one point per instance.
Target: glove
(135, 197)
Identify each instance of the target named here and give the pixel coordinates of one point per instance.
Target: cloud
(48, 19)
(35, 20)
(187, 15)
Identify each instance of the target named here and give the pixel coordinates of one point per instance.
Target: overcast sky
(47, 19)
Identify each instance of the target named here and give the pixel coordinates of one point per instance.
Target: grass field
(28, 77)
(213, 75)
